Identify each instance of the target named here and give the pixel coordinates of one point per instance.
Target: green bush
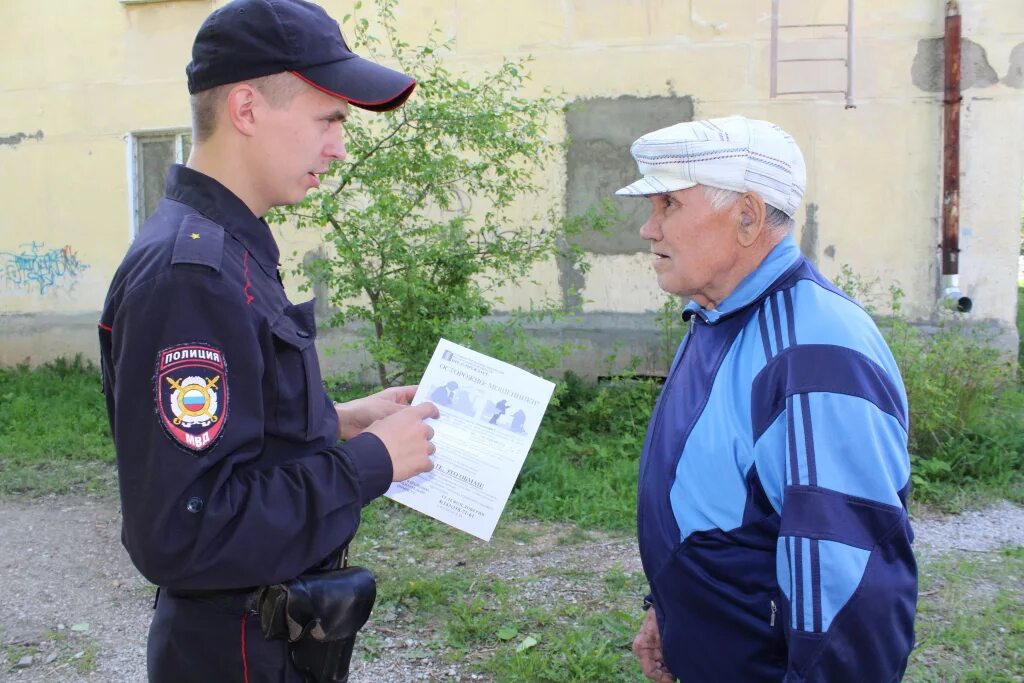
(965, 407)
(966, 403)
(583, 465)
(421, 232)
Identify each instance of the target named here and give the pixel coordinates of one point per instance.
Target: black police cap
(252, 38)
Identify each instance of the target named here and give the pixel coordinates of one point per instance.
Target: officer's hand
(407, 438)
(355, 416)
(647, 648)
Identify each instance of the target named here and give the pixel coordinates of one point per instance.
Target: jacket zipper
(657, 418)
(771, 624)
(660, 406)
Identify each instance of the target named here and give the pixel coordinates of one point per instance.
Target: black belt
(336, 560)
(210, 594)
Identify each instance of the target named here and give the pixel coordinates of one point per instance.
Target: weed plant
(966, 403)
(965, 410)
(970, 626)
(53, 429)
(583, 465)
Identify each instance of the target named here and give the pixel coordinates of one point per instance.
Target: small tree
(417, 224)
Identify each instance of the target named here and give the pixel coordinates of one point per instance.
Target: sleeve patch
(192, 394)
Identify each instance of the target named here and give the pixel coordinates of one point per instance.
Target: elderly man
(771, 508)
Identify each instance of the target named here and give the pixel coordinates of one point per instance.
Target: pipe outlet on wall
(952, 297)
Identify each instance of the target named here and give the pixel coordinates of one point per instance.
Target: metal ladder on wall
(847, 60)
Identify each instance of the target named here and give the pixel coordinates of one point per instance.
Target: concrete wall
(80, 76)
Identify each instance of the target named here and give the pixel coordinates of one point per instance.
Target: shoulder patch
(200, 241)
(192, 394)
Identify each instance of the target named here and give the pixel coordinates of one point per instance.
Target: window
(149, 156)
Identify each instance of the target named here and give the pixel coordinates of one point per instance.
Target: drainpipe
(951, 166)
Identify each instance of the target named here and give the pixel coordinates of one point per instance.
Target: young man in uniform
(236, 469)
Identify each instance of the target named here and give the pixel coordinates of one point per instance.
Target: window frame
(136, 183)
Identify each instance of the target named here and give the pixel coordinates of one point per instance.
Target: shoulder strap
(200, 241)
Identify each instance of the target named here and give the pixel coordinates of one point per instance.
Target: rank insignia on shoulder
(199, 241)
(192, 394)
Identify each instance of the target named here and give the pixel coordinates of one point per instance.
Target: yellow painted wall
(87, 72)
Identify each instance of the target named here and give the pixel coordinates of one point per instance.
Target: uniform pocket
(301, 400)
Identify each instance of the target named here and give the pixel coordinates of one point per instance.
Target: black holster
(320, 615)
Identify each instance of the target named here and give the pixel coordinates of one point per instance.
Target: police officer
(236, 470)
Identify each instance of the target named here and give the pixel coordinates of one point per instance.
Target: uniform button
(194, 504)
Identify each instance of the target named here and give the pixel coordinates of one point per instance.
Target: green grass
(583, 464)
(970, 624)
(574, 624)
(580, 646)
(54, 436)
(588, 640)
(68, 649)
(953, 497)
(559, 625)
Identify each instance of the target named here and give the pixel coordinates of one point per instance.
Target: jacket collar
(219, 204)
(780, 259)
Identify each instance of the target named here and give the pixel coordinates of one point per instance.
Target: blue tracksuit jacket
(771, 508)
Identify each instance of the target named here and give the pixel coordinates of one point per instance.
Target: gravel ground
(71, 597)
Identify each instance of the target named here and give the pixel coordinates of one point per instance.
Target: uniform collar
(780, 259)
(222, 206)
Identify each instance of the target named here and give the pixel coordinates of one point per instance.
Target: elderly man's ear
(751, 217)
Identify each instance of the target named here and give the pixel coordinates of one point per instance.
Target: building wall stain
(1015, 75)
(809, 234)
(598, 162)
(17, 138)
(928, 69)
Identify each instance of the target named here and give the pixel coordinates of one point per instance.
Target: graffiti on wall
(33, 268)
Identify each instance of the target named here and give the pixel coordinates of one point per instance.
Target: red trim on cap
(406, 91)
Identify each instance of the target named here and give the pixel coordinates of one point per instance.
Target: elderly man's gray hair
(778, 223)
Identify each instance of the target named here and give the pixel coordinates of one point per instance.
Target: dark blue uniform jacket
(231, 473)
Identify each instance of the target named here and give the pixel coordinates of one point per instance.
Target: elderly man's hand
(356, 415)
(647, 648)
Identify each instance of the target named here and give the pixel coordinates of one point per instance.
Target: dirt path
(71, 600)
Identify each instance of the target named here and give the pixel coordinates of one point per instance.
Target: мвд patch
(192, 394)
